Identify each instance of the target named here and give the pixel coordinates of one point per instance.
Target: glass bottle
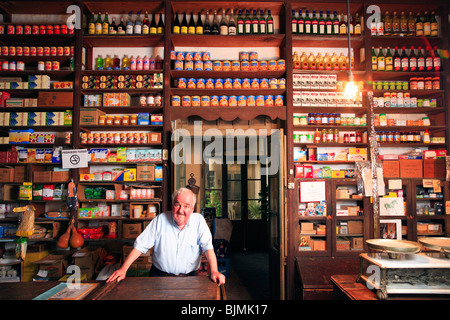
(343, 24)
(436, 60)
(223, 26)
(262, 23)
(387, 24)
(113, 27)
(403, 24)
(380, 26)
(300, 23)
(307, 23)
(426, 25)
(240, 23)
(381, 60)
(269, 23)
(389, 60)
(91, 24)
(153, 29)
(328, 24)
(129, 24)
(191, 25)
(434, 25)
(314, 23)
(335, 23)
(404, 59)
(255, 23)
(105, 24)
(247, 23)
(294, 23)
(232, 24)
(321, 23)
(145, 24)
(98, 24)
(160, 28)
(395, 24)
(176, 29)
(121, 28)
(199, 25)
(397, 61)
(412, 60)
(428, 59)
(419, 26)
(374, 60)
(207, 26)
(411, 24)
(420, 60)
(215, 25)
(184, 25)
(138, 24)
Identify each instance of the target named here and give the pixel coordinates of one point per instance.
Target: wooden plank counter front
(157, 288)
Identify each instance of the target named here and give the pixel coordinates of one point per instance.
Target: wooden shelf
(227, 74)
(320, 127)
(326, 41)
(410, 128)
(355, 110)
(120, 72)
(227, 113)
(121, 128)
(226, 92)
(407, 110)
(123, 41)
(268, 40)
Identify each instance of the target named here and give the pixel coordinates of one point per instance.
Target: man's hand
(117, 275)
(218, 277)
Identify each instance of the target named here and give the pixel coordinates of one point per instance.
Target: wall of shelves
(283, 43)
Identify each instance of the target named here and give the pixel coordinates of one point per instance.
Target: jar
(303, 121)
(102, 120)
(428, 83)
(318, 118)
(413, 83)
(117, 121)
(133, 120)
(109, 120)
(125, 120)
(420, 83)
(311, 118)
(142, 100)
(436, 83)
(357, 121)
(324, 118)
(150, 101)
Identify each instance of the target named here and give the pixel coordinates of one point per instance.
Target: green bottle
(307, 23)
(247, 23)
(240, 23)
(262, 23)
(269, 23)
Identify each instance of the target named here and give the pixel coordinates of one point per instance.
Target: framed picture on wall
(391, 229)
(312, 191)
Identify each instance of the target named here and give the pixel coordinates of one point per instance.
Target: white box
(315, 81)
(306, 98)
(323, 99)
(297, 81)
(297, 98)
(331, 99)
(314, 98)
(306, 81)
(323, 81)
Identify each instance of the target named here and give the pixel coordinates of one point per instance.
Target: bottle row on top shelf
(128, 63)
(240, 25)
(319, 24)
(424, 24)
(386, 60)
(133, 25)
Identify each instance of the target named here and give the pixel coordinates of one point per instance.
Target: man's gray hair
(183, 190)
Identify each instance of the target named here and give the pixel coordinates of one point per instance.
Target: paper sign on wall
(74, 158)
(392, 207)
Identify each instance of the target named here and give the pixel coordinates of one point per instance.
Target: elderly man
(178, 239)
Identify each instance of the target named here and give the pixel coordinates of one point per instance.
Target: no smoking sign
(74, 158)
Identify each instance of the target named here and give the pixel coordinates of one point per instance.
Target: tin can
(42, 29)
(281, 64)
(53, 51)
(195, 101)
(282, 83)
(34, 29)
(243, 56)
(272, 65)
(41, 65)
(209, 83)
(197, 56)
(246, 83)
(5, 65)
(178, 65)
(260, 101)
(200, 83)
(176, 102)
(214, 101)
(254, 65)
(26, 51)
(55, 65)
(206, 56)
(48, 65)
(242, 101)
(179, 55)
(217, 65)
(264, 83)
(66, 51)
(186, 101)
(84, 138)
(12, 66)
(198, 65)
(90, 138)
(273, 83)
(278, 102)
(109, 137)
(97, 138)
(182, 83)
(20, 66)
(191, 83)
(12, 51)
(226, 65)
(27, 29)
(143, 137)
(40, 51)
(235, 65)
(189, 65)
(19, 29)
(223, 101)
(207, 65)
(19, 51)
(188, 56)
(228, 83)
(56, 29)
(49, 29)
(5, 50)
(251, 101)
(268, 101)
(254, 83)
(263, 65)
(10, 29)
(253, 56)
(232, 101)
(204, 101)
(245, 65)
(33, 51)
(237, 83)
(218, 84)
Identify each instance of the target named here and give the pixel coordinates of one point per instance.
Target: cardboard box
(391, 168)
(154, 137)
(355, 227)
(90, 116)
(55, 99)
(352, 210)
(357, 243)
(434, 168)
(342, 244)
(20, 173)
(58, 176)
(411, 168)
(54, 265)
(145, 172)
(42, 176)
(88, 259)
(317, 245)
(6, 174)
(131, 230)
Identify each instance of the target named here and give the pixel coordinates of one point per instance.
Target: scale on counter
(399, 267)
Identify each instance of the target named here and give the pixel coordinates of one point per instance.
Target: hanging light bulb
(350, 88)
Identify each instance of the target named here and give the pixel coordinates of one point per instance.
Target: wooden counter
(145, 288)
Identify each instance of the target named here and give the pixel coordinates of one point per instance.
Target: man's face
(182, 208)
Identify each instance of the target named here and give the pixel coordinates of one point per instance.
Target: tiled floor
(249, 276)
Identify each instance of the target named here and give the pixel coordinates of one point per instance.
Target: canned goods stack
(403, 99)
(229, 83)
(115, 138)
(228, 101)
(42, 29)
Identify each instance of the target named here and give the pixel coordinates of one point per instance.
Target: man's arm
(121, 273)
(216, 276)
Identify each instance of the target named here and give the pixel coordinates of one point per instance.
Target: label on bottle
(145, 29)
(413, 64)
(374, 63)
(387, 27)
(240, 26)
(434, 29)
(232, 30)
(223, 30)
(397, 64)
(91, 29)
(160, 30)
(301, 27)
(389, 65)
(294, 26)
(270, 26)
(176, 29)
(98, 28)
(248, 27)
(153, 30)
(426, 29)
(262, 26)
(191, 30)
(199, 30)
(307, 26)
(137, 29)
(329, 27)
(419, 29)
(343, 29)
(421, 63)
(437, 63)
(429, 63)
(405, 64)
(380, 28)
(129, 29)
(358, 29)
(184, 30)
